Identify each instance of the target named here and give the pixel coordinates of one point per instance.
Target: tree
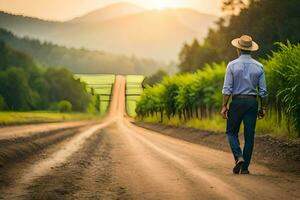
(233, 6)
(10, 57)
(2, 103)
(189, 57)
(155, 78)
(15, 89)
(63, 86)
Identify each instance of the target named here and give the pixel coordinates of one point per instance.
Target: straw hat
(245, 42)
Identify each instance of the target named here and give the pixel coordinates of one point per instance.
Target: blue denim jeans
(242, 110)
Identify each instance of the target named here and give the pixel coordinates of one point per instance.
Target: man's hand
(261, 113)
(263, 108)
(224, 112)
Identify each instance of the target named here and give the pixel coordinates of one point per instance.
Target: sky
(62, 10)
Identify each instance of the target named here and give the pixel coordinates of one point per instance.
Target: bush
(61, 106)
(190, 94)
(283, 74)
(64, 106)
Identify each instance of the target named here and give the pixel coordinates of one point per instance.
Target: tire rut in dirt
(20, 148)
(86, 175)
(15, 151)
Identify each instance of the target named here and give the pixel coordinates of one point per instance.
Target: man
(244, 80)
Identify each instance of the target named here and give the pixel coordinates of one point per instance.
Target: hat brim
(236, 44)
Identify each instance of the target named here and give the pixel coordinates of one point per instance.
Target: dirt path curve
(118, 160)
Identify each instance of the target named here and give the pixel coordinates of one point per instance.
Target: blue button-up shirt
(245, 76)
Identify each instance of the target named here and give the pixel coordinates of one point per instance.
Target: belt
(244, 97)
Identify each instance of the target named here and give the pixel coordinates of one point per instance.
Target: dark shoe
(238, 166)
(245, 171)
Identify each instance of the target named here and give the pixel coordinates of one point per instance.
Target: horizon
(51, 11)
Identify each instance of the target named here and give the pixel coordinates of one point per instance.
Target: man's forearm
(225, 100)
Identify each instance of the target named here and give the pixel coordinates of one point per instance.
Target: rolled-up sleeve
(262, 85)
(228, 82)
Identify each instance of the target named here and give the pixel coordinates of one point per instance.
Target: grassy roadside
(217, 124)
(134, 90)
(15, 118)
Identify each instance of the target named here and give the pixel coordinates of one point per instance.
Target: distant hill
(156, 34)
(109, 12)
(82, 60)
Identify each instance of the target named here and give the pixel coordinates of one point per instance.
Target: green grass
(96, 78)
(99, 84)
(103, 91)
(133, 91)
(131, 105)
(104, 105)
(135, 79)
(12, 118)
(216, 123)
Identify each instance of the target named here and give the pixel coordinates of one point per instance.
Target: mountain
(193, 19)
(82, 60)
(155, 34)
(109, 12)
(158, 34)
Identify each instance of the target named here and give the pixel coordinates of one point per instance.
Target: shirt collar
(247, 56)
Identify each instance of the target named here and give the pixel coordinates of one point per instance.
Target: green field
(133, 91)
(14, 118)
(100, 86)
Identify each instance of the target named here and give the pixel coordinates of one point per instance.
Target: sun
(161, 4)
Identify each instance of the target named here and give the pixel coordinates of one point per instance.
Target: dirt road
(114, 159)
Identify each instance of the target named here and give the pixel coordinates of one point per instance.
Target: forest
(26, 85)
(195, 92)
(267, 21)
(82, 60)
